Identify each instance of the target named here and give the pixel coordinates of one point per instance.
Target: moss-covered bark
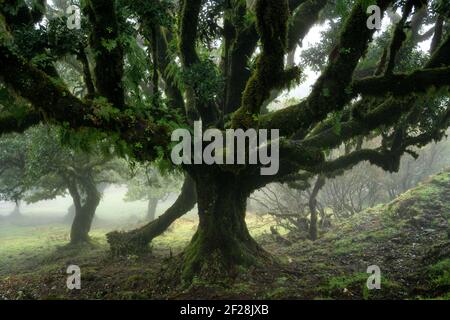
(222, 246)
(188, 31)
(85, 207)
(331, 91)
(302, 20)
(272, 17)
(81, 225)
(241, 39)
(400, 84)
(108, 50)
(54, 101)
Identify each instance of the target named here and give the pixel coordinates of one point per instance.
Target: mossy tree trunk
(85, 203)
(70, 215)
(16, 212)
(222, 244)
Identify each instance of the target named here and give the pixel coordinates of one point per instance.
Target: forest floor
(408, 239)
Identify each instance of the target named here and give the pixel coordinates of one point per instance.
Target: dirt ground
(408, 239)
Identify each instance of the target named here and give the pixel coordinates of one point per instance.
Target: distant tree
(344, 195)
(49, 169)
(365, 185)
(148, 183)
(13, 153)
(294, 206)
(427, 161)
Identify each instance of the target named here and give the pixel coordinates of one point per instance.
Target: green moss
(356, 284)
(132, 295)
(414, 203)
(204, 261)
(349, 245)
(24, 248)
(135, 279)
(343, 282)
(188, 31)
(272, 26)
(440, 274)
(442, 179)
(277, 293)
(384, 233)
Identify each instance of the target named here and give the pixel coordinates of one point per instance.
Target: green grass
(440, 274)
(332, 267)
(356, 284)
(23, 247)
(182, 230)
(349, 245)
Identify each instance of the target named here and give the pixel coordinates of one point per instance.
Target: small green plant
(440, 274)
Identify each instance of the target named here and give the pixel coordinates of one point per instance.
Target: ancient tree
(150, 67)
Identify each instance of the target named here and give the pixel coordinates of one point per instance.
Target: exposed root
(195, 267)
(127, 243)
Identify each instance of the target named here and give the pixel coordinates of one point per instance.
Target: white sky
(312, 38)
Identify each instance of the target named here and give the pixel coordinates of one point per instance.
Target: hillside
(407, 238)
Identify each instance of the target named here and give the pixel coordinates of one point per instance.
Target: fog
(112, 207)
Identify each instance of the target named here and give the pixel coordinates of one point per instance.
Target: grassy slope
(407, 238)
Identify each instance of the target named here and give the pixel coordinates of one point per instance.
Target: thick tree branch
(437, 33)
(387, 160)
(108, 52)
(82, 57)
(9, 124)
(300, 116)
(272, 16)
(401, 84)
(302, 20)
(56, 103)
(330, 138)
(330, 92)
(189, 19)
(173, 93)
(190, 10)
(398, 38)
(240, 43)
(441, 56)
